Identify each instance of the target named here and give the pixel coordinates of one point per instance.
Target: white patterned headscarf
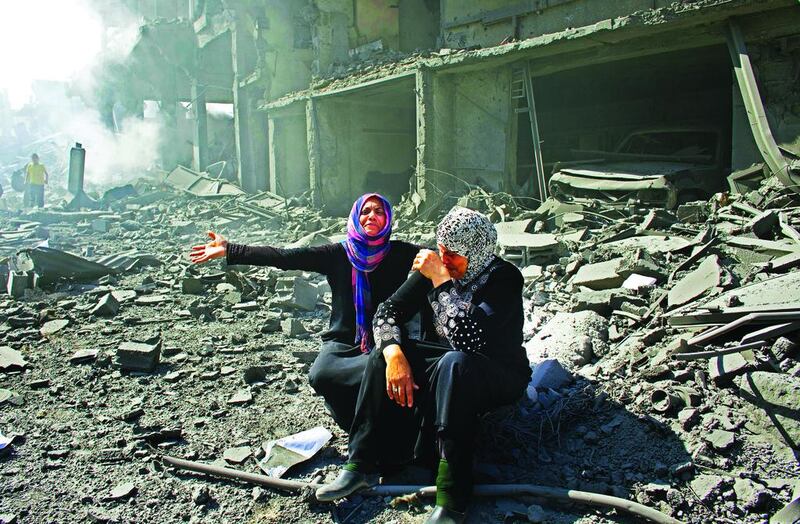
(471, 235)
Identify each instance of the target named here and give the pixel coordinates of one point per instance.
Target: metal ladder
(522, 87)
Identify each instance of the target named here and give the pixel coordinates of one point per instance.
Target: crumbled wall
(777, 66)
(482, 112)
(463, 27)
(288, 153)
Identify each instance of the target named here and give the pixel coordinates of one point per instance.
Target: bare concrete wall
(481, 123)
(366, 144)
(287, 47)
(288, 153)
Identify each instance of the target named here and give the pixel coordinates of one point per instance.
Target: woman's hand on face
(430, 265)
(400, 384)
(216, 248)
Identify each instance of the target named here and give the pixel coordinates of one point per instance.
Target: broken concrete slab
(83, 355)
(292, 327)
(571, 338)
(721, 440)
(751, 495)
(241, 398)
(53, 326)
(137, 356)
(706, 487)
(11, 359)
(549, 374)
(17, 284)
(107, 306)
(602, 275)
(706, 277)
(776, 394)
(724, 368)
(763, 225)
(122, 491)
(192, 286)
(237, 455)
(296, 292)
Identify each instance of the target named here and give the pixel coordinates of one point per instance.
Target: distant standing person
(35, 179)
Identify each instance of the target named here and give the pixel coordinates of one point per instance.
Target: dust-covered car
(653, 167)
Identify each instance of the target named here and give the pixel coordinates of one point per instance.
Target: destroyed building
(639, 160)
(423, 95)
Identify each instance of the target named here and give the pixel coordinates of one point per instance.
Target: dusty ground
(84, 429)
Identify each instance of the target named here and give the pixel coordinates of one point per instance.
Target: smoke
(61, 65)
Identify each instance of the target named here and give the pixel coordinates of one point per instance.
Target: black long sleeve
(317, 259)
(488, 322)
(331, 260)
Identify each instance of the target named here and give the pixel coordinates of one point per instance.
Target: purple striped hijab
(365, 253)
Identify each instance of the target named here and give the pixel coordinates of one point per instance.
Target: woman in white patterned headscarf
(476, 314)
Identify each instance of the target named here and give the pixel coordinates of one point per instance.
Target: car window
(671, 143)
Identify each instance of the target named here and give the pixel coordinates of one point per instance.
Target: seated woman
(363, 270)
(476, 300)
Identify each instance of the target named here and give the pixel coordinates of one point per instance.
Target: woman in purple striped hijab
(363, 270)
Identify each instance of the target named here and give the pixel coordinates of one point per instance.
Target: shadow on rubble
(582, 440)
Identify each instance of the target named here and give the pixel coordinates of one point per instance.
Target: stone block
(192, 286)
(107, 306)
(297, 292)
(17, 284)
(776, 394)
(706, 487)
(101, 225)
(571, 338)
(292, 327)
(136, 356)
(550, 374)
(764, 224)
(691, 213)
(724, 368)
(603, 275)
(706, 277)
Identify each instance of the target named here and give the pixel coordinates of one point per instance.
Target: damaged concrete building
(336, 97)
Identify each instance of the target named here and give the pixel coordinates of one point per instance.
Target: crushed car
(650, 167)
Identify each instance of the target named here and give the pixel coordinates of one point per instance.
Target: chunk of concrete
(137, 356)
(297, 292)
(192, 286)
(603, 275)
(571, 338)
(724, 368)
(11, 359)
(292, 327)
(53, 326)
(764, 224)
(107, 306)
(721, 440)
(637, 281)
(549, 374)
(706, 277)
(751, 496)
(706, 487)
(17, 284)
(240, 398)
(777, 395)
(101, 225)
(237, 455)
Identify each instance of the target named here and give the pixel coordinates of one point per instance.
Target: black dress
(480, 365)
(336, 372)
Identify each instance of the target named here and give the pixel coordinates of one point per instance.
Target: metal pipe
(481, 490)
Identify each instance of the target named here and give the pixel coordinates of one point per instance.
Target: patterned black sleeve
(471, 327)
(398, 309)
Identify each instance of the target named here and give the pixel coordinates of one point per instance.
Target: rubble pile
(664, 348)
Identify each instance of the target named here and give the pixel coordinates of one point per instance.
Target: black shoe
(442, 515)
(347, 483)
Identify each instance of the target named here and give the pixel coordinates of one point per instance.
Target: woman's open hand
(400, 384)
(216, 248)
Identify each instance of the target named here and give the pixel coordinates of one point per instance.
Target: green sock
(358, 467)
(444, 485)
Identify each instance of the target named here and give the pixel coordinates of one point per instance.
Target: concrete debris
(138, 356)
(705, 278)
(11, 359)
(107, 306)
(572, 339)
